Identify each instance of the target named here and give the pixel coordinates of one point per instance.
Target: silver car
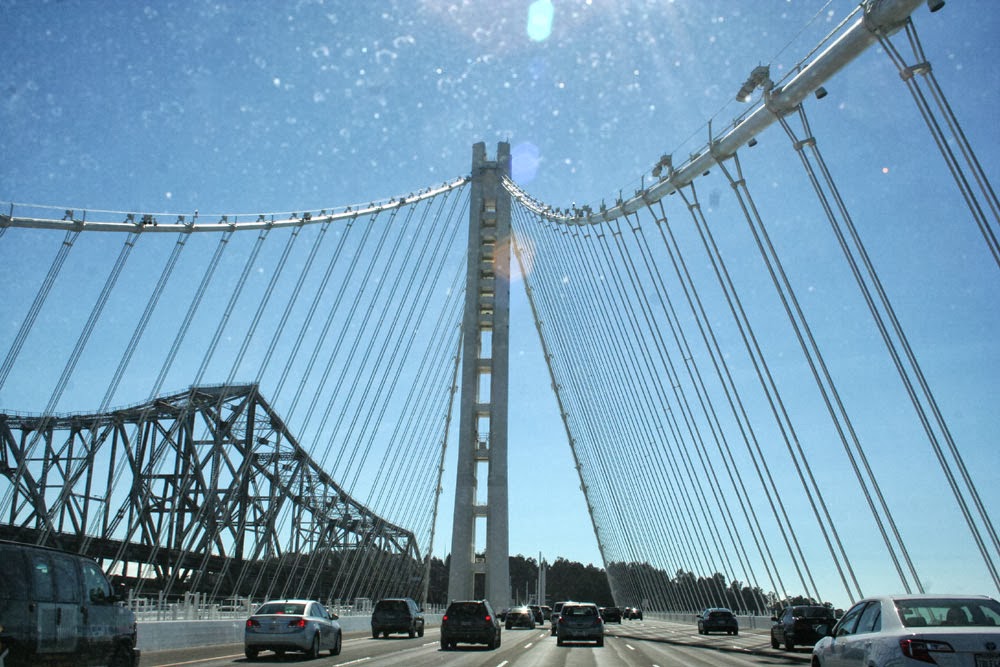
(580, 621)
(292, 625)
(901, 630)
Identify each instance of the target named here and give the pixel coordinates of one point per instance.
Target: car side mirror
(774, 618)
(334, 616)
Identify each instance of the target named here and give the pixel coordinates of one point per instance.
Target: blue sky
(250, 107)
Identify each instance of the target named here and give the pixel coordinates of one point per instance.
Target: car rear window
(282, 608)
(945, 612)
(719, 614)
(391, 605)
(466, 609)
(579, 610)
(812, 612)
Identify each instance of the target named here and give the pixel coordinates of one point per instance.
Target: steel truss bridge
(725, 441)
(214, 494)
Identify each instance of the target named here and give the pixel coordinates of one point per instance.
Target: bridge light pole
(482, 431)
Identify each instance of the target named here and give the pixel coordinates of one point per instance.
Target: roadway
(650, 643)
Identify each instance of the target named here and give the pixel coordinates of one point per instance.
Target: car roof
(927, 596)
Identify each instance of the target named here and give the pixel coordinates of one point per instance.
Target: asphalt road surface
(648, 643)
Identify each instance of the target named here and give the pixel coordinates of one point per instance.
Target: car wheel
(313, 651)
(337, 645)
(600, 641)
(774, 642)
(375, 634)
(412, 632)
(420, 632)
(736, 631)
(789, 643)
(559, 641)
(121, 657)
(252, 653)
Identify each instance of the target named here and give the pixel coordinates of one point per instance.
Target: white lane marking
(502, 663)
(354, 662)
(629, 647)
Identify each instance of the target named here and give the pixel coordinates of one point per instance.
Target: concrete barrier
(163, 635)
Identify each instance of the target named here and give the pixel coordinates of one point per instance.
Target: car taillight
(488, 618)
(251, 623)
(921, 649)
(297, 623)
(444, 618)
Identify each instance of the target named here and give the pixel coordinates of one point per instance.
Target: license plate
(988, 660)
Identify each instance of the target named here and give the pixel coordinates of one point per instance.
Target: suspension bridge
(262, 404)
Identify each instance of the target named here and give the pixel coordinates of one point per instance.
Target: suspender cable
(36, 305)
(728, 384)
(901, 352)
(761, 368)
(909, 73)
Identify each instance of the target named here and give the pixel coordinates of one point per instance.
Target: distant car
(520, 617)
(611, 614)
(546, 612)
(292, 625)
(718, 619)
(537, 611)
(901, 630)
(580, 621)
(635, 614)
(554, 618)
(397, 615)
(470, 622)
(801, 625)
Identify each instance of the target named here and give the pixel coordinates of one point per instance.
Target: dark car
(537, 611)
(611, 614)
(58, 608)
(632, 614)
(718, 619)
(519, 617)
(397, 615)
(580, 621)
(554, 617)
(801, 625)
(469, 622)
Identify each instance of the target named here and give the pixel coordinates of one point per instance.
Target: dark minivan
(58, 608)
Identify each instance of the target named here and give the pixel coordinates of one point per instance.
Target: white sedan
(910, 630)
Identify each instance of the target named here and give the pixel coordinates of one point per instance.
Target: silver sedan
(292, 625)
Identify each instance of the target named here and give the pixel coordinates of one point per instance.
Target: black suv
(801, 624)
(470, 622)
(397, 615)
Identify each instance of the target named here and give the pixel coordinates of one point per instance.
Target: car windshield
(282, 608)
(943, 612)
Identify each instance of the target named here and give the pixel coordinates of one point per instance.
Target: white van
(58, 608)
